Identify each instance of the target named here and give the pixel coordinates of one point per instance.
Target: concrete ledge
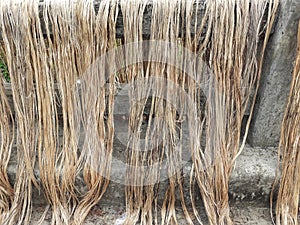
(251, 178)
(254, 173)
(250, 184)
(249, 213)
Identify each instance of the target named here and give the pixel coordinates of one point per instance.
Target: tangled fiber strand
(20, 48)
(79, 55)
(234, 60)
(97, 98)
(66, 51)
(132, 19)
(6, 132)
(169, 101)
(287, 204)
(152, 85)
(58, 160)
(222, 54)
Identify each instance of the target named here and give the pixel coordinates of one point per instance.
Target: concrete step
(249, 188)
(251, 178)
(242, 213)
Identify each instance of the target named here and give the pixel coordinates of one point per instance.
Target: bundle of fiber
(7, 132)
(233, 31)
(153, 84)
(42, 62)
(226, 42)
(287, 204)
(196, 48)
(97, 86)
(19, 47)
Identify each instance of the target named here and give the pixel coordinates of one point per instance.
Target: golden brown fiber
(191, 77)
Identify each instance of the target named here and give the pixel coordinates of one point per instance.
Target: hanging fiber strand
(189, 84)
(21, 55)
(155, 86)
(6, 132)
(233, 30)
(97, 85)
(45, 67)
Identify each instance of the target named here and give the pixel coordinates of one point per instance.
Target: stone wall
(276, 77)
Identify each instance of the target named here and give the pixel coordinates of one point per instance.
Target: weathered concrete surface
(242, 213)
(250, 184)
(254, 174)
(251, 178)
(276, 77)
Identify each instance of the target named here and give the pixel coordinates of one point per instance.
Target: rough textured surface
(276, 77)
(251, 178)
(243, 213)
(250, 184)
(254, 174)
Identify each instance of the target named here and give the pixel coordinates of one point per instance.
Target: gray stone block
(276, 77)
(251, 179)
